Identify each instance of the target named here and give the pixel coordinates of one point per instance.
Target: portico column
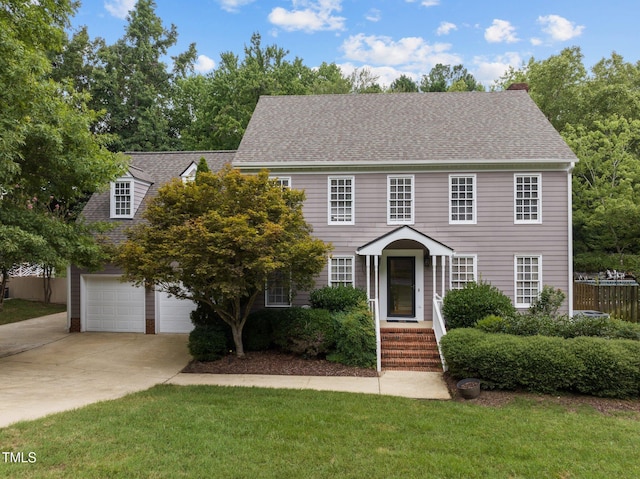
(434, 266)
(376, 277)
(368, 277)
(444, 262)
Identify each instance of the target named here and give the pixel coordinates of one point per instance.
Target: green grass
(215, 432)
(15, 310)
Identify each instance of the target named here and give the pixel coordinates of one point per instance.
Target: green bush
(257, 334)
(548, 302)
(339, 298)
(355, 337)
(304, 331)
(465, 307)
(596, 366)
(209, 343)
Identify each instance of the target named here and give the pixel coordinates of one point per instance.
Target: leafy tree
(606, 185)
(403, 84)
(47, 148)
(328, 79)
(364, 81)
(217, 240)
(133, 85)
(443, 78)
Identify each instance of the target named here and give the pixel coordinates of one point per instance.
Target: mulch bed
(277, 363)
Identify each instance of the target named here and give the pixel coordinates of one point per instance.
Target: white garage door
(113, 306)
(173, 314)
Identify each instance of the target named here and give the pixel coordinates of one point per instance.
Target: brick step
(411, 353)
(410, 349)
(411, 345)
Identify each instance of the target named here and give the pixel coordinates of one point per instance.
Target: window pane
(527, 198)
(462, 198)
(527, 279)
(341, 273)
(341, 207)
(462, 271)
(401, 199)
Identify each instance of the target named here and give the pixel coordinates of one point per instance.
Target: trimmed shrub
(339, 298)
(463, 308)
(596, 366)
(548, 302)
(257, 334)
(308, 332)
(209, 343)
(355, 337)
(492, 324)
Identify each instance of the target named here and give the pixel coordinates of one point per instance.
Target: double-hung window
(462, 199)
(528, 276)
(528, 198)
(341, 200)
(341, 271)
(277, 292)
(400, 200)
(283, 181)
(463, 270)
(122, 199)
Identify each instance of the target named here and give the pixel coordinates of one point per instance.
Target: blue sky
(390, 37)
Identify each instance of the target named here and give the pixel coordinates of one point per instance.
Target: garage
(110, 305)
(173, 314)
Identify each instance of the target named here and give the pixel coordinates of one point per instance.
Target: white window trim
(538, 220)
(353, 200)
(267, 304)
(515, 277)
(189, 174)
(474, 220)
(113, 197)
(281, 179)
(353, 268)
(462, 255)
(413, 200)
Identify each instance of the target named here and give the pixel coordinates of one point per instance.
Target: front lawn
(15, 310)
(214, 432)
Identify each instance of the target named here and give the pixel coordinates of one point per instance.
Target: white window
(341, 200)
(277, 292)
(463, 270)
(122, 199)
(341, 271)
(528, 274)
(462, 199)
(400, 200)
(283, 181)
(528, 198)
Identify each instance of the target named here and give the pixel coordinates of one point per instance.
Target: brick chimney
(519, 86)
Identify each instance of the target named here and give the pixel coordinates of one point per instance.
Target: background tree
(403, 84)
(217, 240)
(443, 78)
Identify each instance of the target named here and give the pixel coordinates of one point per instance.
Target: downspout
(570, 236)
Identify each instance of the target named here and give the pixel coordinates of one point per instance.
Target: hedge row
(586, 365)
(561, 326)
(347, 337)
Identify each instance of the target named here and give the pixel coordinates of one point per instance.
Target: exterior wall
(139, 191)
(495, 239)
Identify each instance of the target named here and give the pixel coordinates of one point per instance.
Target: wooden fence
(620, 301)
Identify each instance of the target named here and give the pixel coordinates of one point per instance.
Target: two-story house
(418, 193)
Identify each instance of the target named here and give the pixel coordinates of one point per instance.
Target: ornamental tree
(217, 241)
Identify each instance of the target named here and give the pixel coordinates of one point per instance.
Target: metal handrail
(439, 328)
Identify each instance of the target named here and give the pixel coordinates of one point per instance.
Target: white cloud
(381, 50)
(309, 16)
(536, 42)
(559, 28)
(120, 8)
(500, 31)
(373, 15)
(486, 70)
(445, 28)
(233, 6)
(430, 3)
(204, 64)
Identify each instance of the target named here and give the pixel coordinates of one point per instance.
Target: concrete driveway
(57, 371)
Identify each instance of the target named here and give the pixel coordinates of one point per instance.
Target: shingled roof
(396, 129)
(156, 168)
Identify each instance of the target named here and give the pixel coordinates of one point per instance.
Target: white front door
(402, 285)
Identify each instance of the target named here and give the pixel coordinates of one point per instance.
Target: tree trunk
(236, 330)
(3, 286)
(46, 277)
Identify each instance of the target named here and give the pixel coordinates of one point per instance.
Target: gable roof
(156, 168)
(399, 129)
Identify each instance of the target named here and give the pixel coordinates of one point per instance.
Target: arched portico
(399, 259)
